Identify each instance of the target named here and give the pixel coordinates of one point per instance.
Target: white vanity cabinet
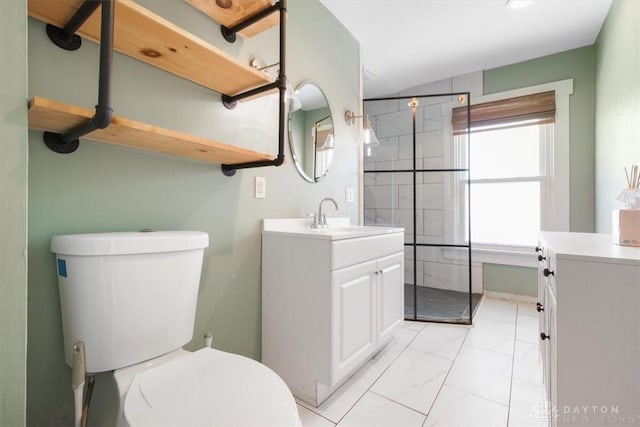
(360, 328)
(589, 329)
(330, 301)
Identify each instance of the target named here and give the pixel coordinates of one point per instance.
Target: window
(519, 169)
(508, 183)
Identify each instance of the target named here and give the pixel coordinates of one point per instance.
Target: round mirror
(311, 136)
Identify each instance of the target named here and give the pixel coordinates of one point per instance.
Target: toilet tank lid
(123, 243)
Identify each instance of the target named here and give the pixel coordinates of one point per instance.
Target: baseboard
(511, 297)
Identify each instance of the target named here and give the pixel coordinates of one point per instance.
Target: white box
(626, 227)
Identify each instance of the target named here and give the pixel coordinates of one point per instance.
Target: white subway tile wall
(388, 197)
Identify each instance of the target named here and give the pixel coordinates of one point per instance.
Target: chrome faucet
(320, 220)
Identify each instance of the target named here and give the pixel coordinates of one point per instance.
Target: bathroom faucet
(320, 220)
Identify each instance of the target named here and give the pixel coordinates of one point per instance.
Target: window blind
(539, 108)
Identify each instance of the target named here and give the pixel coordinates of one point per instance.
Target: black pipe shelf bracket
(67, 39)
(229, 33)
(281, 84)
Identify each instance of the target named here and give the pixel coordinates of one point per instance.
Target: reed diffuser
(630, 196)
(626, 222)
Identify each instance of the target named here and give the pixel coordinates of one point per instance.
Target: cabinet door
(542, 319)
(542, 284)
(390, 275)
(550, 371)
(548, 340)
(353, 318)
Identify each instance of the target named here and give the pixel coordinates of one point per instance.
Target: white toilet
(130, 298)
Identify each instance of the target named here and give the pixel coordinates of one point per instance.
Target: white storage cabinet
(589, 307)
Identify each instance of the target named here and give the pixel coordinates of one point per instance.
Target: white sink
(338, 228)
(354, 231)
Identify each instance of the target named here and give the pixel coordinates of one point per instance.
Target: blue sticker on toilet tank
(62, 267)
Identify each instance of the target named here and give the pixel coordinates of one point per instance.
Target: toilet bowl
(130, 299)
(204, 388)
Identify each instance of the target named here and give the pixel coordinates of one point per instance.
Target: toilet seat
(210, 388)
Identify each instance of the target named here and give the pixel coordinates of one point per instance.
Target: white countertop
(338, 229)
(595, 246)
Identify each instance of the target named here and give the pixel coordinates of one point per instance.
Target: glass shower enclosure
(418, 178)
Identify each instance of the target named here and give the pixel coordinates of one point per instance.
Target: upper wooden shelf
(238, 11)
(52, 116)
(150, 38)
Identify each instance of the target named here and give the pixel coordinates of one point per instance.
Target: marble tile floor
(488, 374)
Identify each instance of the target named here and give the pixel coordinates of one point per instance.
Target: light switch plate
(260, 187)
(349, 195)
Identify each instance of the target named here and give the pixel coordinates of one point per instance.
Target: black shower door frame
(414, 171)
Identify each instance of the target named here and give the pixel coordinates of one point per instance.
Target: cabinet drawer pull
(541, 258)
(547, 272)
(539, 307)
(538, 248)
(544, 336)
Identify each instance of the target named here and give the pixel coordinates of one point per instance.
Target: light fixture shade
(327, 144)
(294, 104)
(368, 138)
(291, 98)
(367, 151)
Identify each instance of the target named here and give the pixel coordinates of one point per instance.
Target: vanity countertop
(338, 228)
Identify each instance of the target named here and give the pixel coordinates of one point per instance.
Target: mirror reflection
(311, 136)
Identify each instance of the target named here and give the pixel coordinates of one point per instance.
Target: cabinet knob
(544, 336)
(546, 272)
(538, 248)
(540, 258)
(539, 307)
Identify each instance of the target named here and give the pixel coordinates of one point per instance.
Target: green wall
(13, 212)
(579, 65)
(103, 187)
(617, 106)
(510, 279)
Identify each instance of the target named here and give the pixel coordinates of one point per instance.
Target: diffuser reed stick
(633, 180)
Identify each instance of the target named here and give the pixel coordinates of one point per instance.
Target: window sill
(505, 255)
(517, 256)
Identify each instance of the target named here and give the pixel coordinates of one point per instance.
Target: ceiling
(409, 42)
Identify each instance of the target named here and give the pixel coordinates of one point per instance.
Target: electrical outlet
(260, 187)
(349, 195)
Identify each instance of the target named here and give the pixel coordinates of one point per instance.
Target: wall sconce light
(329, 141)
(328, 144)
(367, 137)
(294, 103)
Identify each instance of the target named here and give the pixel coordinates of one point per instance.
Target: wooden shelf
(238, 12)
(52, 116)
(150, 38)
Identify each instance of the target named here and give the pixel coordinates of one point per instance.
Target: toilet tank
(128, 297)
